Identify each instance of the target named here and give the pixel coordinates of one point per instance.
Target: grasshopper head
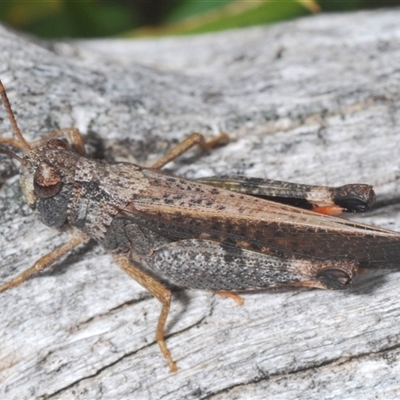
(41, 179)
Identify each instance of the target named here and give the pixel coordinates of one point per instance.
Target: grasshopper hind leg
(208, 265)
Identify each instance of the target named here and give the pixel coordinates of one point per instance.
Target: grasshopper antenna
(22, 143)
(13, 155)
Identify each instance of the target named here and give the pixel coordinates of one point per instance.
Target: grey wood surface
(314, 101)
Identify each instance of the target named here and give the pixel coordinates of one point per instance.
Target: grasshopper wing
(181, 209)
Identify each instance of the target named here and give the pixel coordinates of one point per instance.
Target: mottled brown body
(130, 209)
(219, 234)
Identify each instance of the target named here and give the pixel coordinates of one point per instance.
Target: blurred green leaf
(149, 12)
(347, 5)
(94, 18)
(189, 8)
(19, 13)
(64, 18)
(228, 15)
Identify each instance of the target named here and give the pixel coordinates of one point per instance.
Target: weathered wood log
(312, 101)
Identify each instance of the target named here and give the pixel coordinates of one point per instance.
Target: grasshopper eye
(46, 181)
(58, 144)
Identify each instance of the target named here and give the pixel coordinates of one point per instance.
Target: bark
(313, 101)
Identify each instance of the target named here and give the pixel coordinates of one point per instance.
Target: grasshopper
(222, 234)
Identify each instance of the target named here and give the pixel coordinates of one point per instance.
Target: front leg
(73, 136)
(46, 261)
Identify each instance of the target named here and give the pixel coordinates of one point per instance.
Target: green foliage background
(99, 18)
